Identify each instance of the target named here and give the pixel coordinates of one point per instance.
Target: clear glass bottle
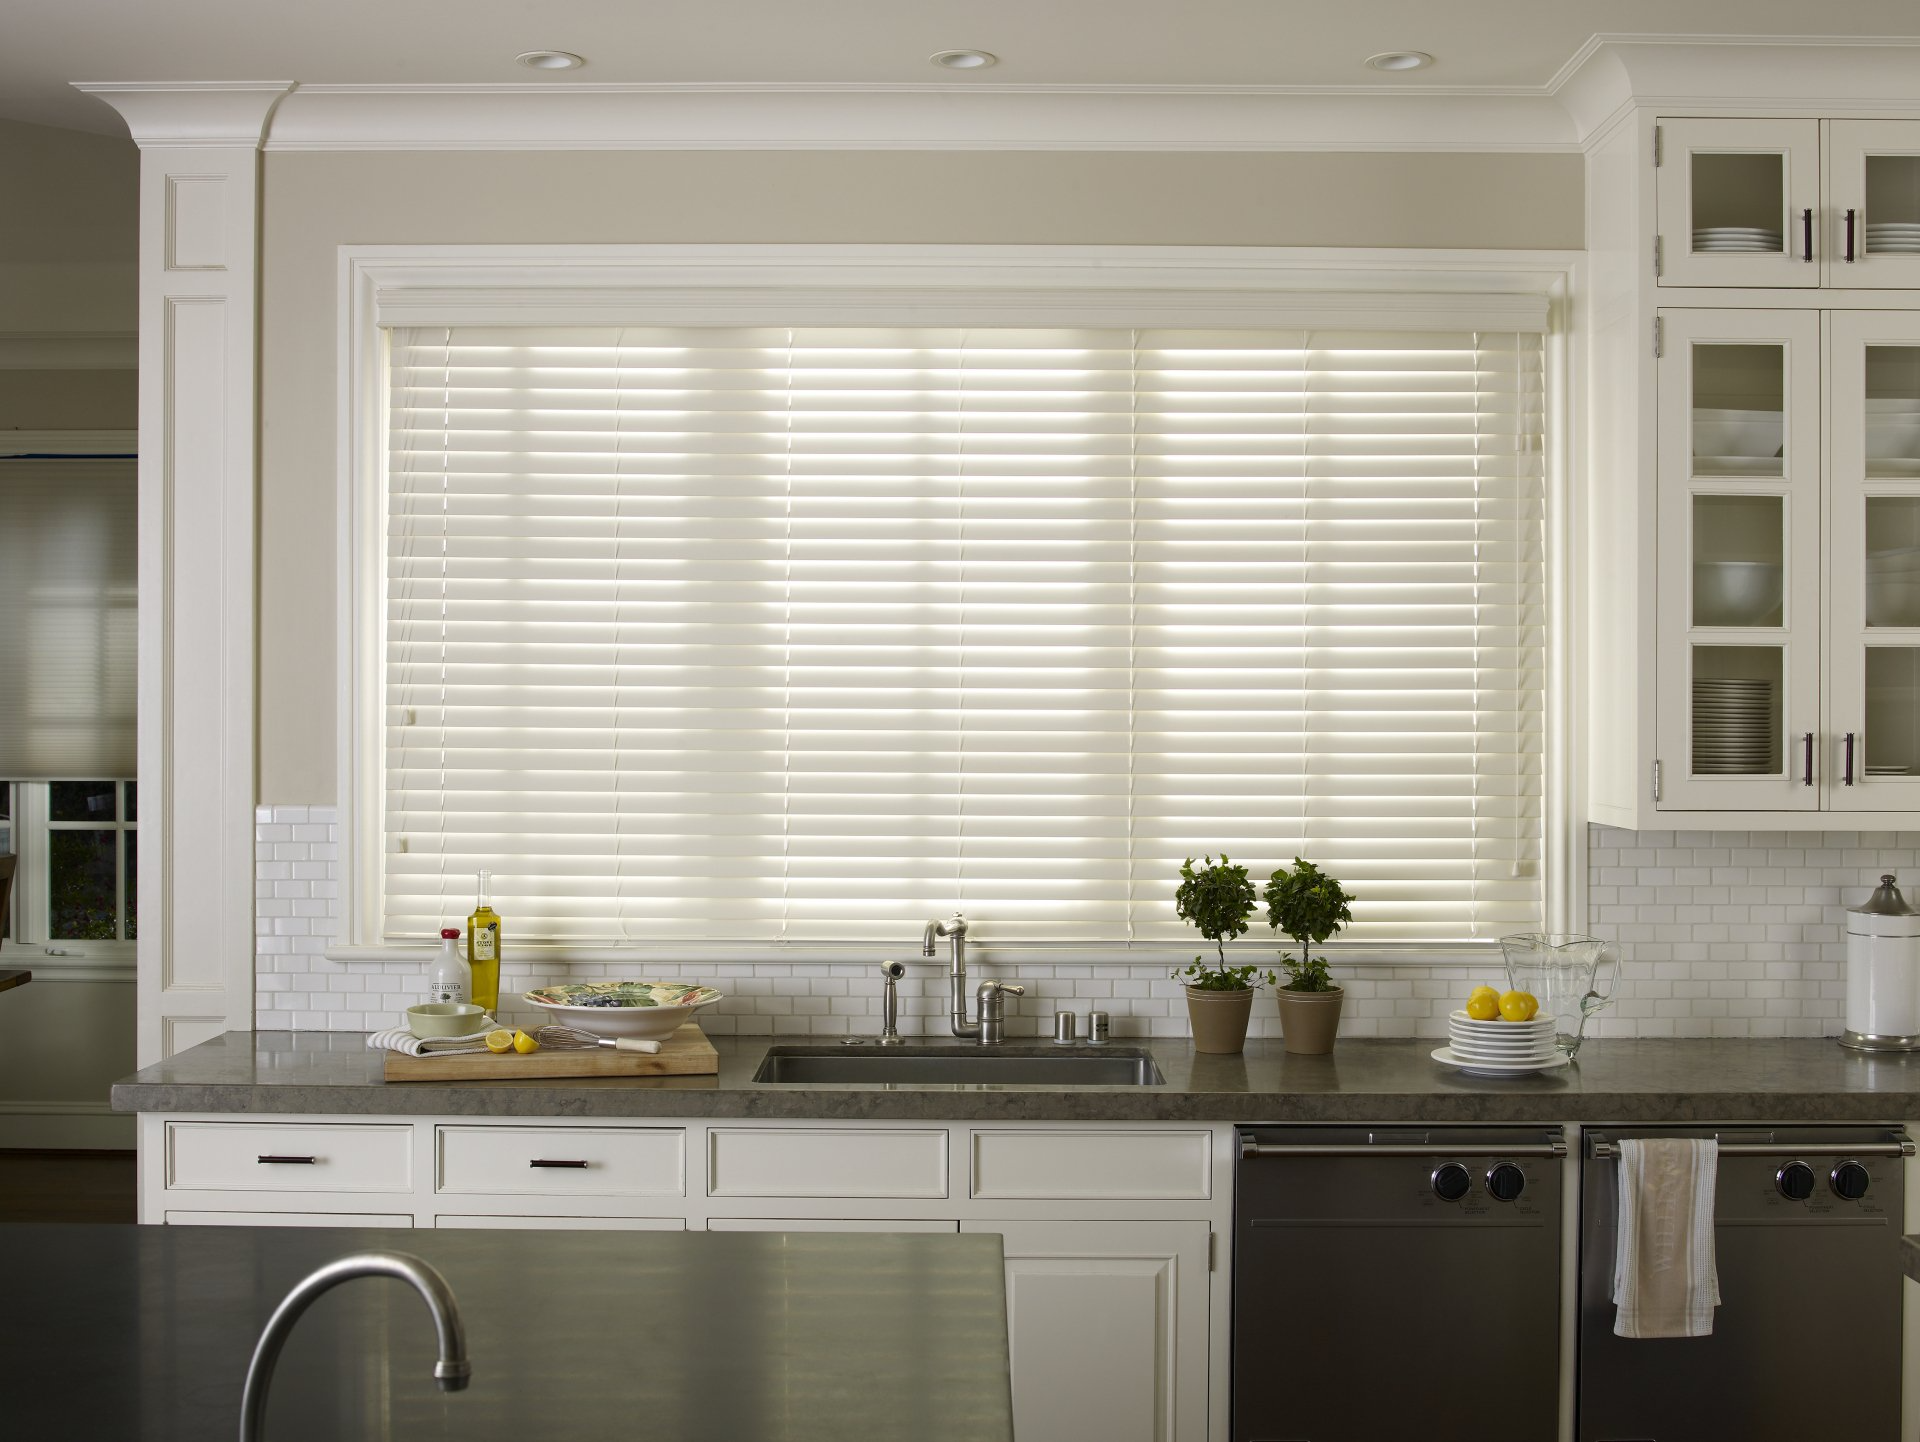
(450, 978)
(483, 947)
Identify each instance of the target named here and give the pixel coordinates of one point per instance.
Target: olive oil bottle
(483, 947)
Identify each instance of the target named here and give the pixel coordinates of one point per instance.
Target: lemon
(1483, 1003)
(525, 1044)
(499, 1040)
(1518, 1005)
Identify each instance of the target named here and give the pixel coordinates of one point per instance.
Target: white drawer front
(562, 1161)
(827, 1224)
(823, 1162)
(291, 1157)
(562, 1224)
(289, 1219)
(1084, 1165)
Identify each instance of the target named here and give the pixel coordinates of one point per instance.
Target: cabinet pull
(271, 1161)
(543, 1162)
(1807, 780)
(1850, 216)
(1847, 778)
(1806, 234)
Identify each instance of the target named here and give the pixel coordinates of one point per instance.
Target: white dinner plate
(1447, 1057)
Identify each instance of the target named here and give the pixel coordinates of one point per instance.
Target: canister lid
(1886, 901)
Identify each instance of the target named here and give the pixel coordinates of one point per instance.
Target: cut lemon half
(522, 1043)
(499, 1040)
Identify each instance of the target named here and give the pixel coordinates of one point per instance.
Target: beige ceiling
(1500, 44)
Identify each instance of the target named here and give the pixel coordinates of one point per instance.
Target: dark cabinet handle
(1850, 215)
(1848, 777)
(286, 1161)
(543, 1162)
(1808, 779)
(1806, 234)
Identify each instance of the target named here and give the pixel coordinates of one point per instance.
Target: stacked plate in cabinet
(1893, 237)
(1733, 727)
(1500, 1048)
(1737, 239)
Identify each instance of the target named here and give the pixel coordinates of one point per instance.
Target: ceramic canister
(1883, 973)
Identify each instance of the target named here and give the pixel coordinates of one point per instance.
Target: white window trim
(53, 959)
(975, 284)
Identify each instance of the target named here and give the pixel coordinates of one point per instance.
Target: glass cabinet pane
(1893, 711)
(1893, 205)
(1893, 410)
(1738, 560)
(1736, 710)
(1739, 409)
(1739, 198)
(1893, 561)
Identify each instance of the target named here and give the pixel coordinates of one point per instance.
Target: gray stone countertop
(1617, 1081)
(1910, 1257)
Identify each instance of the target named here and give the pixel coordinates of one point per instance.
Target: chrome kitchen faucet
(990, 997)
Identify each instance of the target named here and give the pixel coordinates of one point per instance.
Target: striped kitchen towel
(407, 1044)
(1665, 1283)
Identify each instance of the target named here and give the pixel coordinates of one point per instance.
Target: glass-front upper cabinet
(1738, 202)
(1874, 601)
(1873, 190)
(1738, 683)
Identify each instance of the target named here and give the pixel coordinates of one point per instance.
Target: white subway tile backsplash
(1722, 934)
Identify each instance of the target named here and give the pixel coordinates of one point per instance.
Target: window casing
(861, 626)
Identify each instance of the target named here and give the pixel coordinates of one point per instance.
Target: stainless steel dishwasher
(1397, 1282)
(1806, 1340)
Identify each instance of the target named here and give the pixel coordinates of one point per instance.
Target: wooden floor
(66, 1186)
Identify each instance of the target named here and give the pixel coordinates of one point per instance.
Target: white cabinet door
(1738, 202)
(1737, 688)
(1107, 1322)
(1873, 203)
(1873, 600)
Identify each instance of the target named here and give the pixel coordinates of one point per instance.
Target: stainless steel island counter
(142, 1334)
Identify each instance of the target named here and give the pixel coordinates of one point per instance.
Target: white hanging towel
(1665, 1283)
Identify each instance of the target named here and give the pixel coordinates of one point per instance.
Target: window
(806, 635)
(77, 841)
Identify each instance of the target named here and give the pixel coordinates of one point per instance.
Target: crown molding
(187, 114)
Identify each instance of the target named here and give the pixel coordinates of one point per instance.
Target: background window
(811, 634)
(78, 848)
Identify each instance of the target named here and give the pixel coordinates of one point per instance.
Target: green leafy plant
(1218, 899)
(1305, 903)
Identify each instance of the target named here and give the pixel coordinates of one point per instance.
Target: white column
(199, 286)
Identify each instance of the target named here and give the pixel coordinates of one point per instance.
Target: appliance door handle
(1251, 1148)
(1847, 776)
(1807, 779)
(1600, 1149)
(1806, 235)
(1850, 216)
(544, 1162)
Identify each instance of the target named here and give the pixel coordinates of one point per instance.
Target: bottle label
(486, 943)
(448, 991)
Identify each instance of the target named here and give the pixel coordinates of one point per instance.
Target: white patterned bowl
(649, 1010)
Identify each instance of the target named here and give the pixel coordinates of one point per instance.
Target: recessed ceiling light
(550, 60)
(964, 59)
(1400, 60)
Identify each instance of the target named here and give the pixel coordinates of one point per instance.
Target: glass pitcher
(1564, 974)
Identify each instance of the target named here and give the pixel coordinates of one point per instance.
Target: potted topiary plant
(1219, 900)
(1305, 903)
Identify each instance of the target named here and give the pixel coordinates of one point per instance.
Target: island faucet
(989, 1029)
(452, 1372)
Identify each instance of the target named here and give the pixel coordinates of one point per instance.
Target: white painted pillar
(199, 358)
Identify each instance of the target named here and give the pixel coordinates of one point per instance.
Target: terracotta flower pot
(1308, 1019)
(1219, 1019)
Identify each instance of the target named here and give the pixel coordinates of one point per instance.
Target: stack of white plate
(1500, 1048)
(1893, 237)
(1733, 727)
(1740, 239)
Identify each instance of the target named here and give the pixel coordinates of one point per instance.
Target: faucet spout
(452, 1372)
(928, 938)
(954, 927)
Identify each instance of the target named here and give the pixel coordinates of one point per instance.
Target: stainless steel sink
(1105, 1066)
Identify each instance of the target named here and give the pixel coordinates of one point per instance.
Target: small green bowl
(444, 1018)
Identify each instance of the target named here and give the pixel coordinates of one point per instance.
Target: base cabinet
(1107, 1322)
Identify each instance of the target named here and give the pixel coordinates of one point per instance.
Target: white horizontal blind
(810, 635)
(69, 597)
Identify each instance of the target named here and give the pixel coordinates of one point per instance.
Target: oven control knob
(1849, 1181)
(1506, 1181)
(1451, 1181)
(1795, 1181)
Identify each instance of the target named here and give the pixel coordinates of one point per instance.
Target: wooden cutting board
(686, 1053)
